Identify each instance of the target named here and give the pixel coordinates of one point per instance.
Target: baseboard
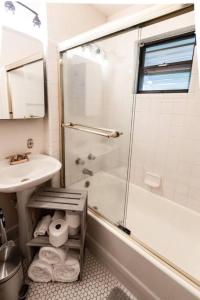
(135, 286)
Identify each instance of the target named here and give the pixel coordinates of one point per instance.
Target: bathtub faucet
(87, 172)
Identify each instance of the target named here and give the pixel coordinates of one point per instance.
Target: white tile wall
(167, 142)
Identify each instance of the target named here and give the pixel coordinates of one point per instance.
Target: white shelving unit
(72, 201)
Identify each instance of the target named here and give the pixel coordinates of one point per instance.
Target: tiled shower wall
(167, 142)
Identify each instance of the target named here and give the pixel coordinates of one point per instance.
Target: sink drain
(24, 179)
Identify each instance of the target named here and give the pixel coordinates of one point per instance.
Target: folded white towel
(73, 220)
(40, 271)
(53, 255)
(67, 272)
(58, 214)
(42, 226)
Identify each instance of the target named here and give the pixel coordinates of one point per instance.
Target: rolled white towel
(42, 226)
(40, 271)
(53, 255)
(58, 232)
(58, 214)
(73, 220)
(67, 272)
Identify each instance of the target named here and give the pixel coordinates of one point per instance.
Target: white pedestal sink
(23, 179)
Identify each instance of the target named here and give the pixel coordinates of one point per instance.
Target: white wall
(132, 9)
(167, 133)
(26, 46)
(14, 134)
(68, 20)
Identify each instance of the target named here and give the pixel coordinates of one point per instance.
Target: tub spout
(87, 172)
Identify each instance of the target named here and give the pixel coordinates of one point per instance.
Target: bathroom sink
(39, 168)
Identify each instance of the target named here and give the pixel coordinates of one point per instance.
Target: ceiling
(110, 9)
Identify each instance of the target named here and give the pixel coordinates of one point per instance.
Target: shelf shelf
(42, 241)
(58, 198)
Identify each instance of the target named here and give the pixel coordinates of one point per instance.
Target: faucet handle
(16, 156)
(10, 156)
(26, 154)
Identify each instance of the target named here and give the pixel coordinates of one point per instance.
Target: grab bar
(109, 133)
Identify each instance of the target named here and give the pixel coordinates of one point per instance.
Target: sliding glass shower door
(97, 83)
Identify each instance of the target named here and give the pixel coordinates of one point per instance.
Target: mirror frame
(17, 65)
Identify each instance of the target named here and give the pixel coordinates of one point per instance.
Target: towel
(73, 221)
(58, 214)
(53, 255)
(39, 271)
(69, 271)
(42, 226)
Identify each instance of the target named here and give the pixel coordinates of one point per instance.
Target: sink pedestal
(24, 220)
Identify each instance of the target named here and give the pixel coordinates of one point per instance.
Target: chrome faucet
(18, 158)
(91, 156)
(79, 161)
(87, 172)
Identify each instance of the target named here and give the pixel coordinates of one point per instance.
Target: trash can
(11, 273)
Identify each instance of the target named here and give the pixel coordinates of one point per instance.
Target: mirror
(22, 76)
(26, 90)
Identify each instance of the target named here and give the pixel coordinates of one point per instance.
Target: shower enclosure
(98, 88)
(137, 154)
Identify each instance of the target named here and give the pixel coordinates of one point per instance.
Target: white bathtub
(167, 229)
(144, 274)
(106, 195)
(170, 229)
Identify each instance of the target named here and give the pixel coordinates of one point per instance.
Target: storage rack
(70, 200)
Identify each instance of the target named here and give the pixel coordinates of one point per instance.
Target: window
(165, 66)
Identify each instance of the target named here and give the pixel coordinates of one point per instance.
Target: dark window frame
(175, 65)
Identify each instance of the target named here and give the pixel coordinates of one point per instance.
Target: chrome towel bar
(109, 133)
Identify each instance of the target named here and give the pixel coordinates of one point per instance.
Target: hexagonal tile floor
(96, 285)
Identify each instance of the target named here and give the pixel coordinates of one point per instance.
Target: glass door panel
(98, 93)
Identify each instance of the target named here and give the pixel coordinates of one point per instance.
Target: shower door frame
(63, 125)
(153, 16)
(102, 32)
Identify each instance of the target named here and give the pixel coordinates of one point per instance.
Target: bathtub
(106, 194)
(164, 239)
(167, 228)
